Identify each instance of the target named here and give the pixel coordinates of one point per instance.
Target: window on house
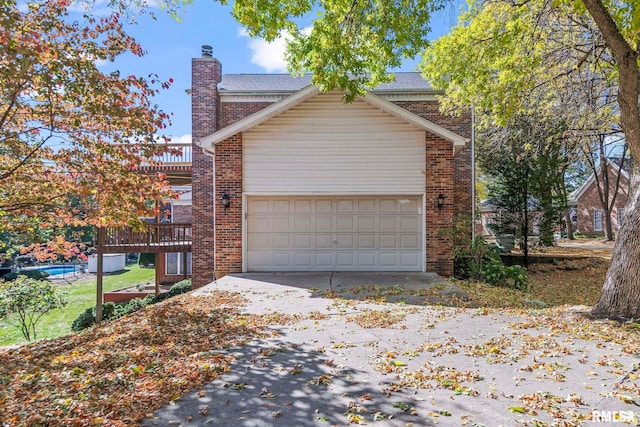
(173, 264)
(597, 220)
(620, 216)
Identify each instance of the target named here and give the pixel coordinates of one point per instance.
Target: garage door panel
(280, 224)
(409, 206)
(324, 223)
(303, 242)
(366, 206)
(260, 206)
(302, 261)
(263, 242)
(302, 223)
(324, 206)
(388, 259)
(388, 206)
(282, 241)
(366, 223)
(408, 259)
(304, 206)
(281, 206)
(345, 241)
(366, 260)
(301, 233)
(345, 223)
(324, 260)
(345, 206)
(324, 241)
(388, 241)
(410, 241)
(366, 241)
(410, 223)
(345, 260)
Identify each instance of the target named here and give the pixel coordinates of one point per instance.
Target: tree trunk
(608, 228)
(621, 293)
(569, 224)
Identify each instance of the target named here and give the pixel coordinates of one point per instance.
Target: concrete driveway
(349, 356)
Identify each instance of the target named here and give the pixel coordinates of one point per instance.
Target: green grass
(81, 295)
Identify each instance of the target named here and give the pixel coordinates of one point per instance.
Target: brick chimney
(206, 73)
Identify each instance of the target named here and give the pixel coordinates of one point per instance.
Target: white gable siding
(327, 146)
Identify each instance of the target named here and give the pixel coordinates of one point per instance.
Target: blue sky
(170, 46)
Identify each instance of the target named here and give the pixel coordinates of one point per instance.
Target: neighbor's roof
(287, 83)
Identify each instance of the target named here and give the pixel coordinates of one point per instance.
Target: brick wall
(181, 213)
(231, 112)
(228, 225)
(439, 179)
(206, 74)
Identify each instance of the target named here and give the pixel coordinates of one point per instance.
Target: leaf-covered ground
(310, 358)
(117, 373)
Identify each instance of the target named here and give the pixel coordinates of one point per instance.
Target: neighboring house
(586, 210)
(491, 217)
(312, 183)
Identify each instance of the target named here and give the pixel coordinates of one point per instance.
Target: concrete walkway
(356, 359)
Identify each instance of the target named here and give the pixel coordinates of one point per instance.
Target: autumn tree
(72, 137)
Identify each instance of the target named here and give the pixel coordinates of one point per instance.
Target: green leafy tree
(581, 56)
(24, 301)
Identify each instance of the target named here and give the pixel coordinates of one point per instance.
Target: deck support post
(156, 258)
(99, 289)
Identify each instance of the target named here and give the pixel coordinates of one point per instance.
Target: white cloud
(269, 56)
(184, 139)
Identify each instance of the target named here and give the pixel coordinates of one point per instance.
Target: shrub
(24, 301)
(31, 274)
(112, 311)
(84, 319)
(147, 259)
(479, 261)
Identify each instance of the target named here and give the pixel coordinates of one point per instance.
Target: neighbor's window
(597, 220)
(174, 263)
(620, 216)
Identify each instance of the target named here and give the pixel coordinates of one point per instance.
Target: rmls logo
(626, 417)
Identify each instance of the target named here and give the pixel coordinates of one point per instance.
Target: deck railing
(164, 237)
(181, 161)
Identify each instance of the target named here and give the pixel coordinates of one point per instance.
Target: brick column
(228, 222)
(206, 73)
(439, 180)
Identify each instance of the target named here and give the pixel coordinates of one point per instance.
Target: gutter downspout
(473, 175)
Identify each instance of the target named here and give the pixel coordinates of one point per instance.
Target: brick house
(316, 184)
(586, 209)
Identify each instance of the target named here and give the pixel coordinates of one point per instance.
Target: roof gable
(612, 167)
(208, 143)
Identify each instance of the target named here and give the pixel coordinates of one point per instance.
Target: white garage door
(334, 233)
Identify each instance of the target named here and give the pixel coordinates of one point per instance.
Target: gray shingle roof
(287, 83)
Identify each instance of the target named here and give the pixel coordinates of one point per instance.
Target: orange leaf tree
(69, 131)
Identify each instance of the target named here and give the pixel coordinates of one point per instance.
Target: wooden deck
(178, 161)
(153, 238)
